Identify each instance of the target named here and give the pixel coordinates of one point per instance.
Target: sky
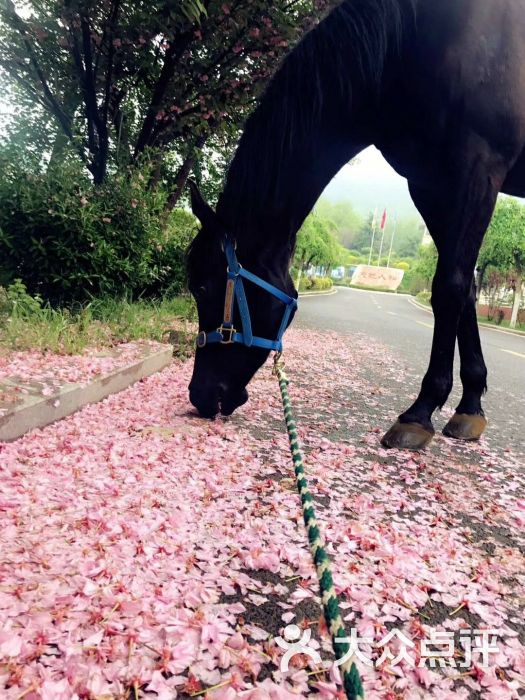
(369, 183)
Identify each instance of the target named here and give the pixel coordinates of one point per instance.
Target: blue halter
(226, 334)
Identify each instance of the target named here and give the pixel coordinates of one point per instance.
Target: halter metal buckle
(230, 330)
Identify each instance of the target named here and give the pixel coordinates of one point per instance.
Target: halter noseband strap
(226, 333)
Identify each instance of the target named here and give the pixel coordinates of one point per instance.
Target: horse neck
(314, 117)
(264, 222)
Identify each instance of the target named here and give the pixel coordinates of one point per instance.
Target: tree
(346, 220)
(316, 244)
(122, 76)
(363, 239)
(504, 247)
(425, 267)
(408, 237)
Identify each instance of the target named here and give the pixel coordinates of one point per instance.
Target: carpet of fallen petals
(146, 553)
(37, 366)
(45, 373)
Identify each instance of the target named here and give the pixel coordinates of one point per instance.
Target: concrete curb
(318, 294)
(32, 410)
(506, 331)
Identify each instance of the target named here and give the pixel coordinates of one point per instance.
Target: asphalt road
(397, 323)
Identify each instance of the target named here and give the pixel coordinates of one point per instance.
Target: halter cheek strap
(226, 334)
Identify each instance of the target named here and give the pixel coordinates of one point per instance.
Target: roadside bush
(27, 323)
(345, 282)
(424, 297)
(15, 301)
(315, 284)
(69, 241)
(169, 255)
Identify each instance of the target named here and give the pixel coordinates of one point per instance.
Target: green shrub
(424, 297)
(169, 255)
(315, 284)
(345, 282)
(69, 241)
(355, 260)
(16, 301)
(26, 323)
(402, 266)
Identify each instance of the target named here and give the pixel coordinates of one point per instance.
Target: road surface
(396, 322)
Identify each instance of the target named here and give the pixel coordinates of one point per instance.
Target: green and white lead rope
(349, 673)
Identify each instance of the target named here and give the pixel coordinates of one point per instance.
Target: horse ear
(200, 208)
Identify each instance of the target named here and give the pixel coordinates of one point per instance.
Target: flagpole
(373, 236)
(392, 240)
(381, 247)
(383, 228)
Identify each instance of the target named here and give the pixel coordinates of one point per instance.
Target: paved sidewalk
(148, 553)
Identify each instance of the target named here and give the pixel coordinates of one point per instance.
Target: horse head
(245, 300)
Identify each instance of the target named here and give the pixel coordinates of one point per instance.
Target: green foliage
(15, 301)
(407, 238)
(70, 241)
(315, 284)
(317, 244)
(425, 267)
(363, 238)
(355, 260)
(26, 323)
(403, 265)
(504, 243)
(119, 77)
(346, 220)
(424, 297)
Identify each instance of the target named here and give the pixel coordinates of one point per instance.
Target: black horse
(439, 88)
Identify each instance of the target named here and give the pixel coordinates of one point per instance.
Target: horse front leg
(413, 429)
(457, 220)
(469, 422)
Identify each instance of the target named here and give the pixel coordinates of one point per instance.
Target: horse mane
(312, 88)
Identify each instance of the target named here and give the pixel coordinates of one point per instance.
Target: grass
(27, 324)
(501, 324)
(424, 298)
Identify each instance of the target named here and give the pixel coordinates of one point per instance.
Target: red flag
(383, 221)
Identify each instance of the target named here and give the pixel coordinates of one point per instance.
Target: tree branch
(55, 106)
(171, 58)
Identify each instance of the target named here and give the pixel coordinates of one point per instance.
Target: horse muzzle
(220, 399)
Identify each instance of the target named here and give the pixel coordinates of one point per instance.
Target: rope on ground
(350, 675)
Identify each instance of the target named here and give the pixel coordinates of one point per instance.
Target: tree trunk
(480, 280)
(518, 295)
(299, 275)
(60, 144)
(184, 172)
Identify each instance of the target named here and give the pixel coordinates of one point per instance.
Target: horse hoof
(407, 436)
(464, 427)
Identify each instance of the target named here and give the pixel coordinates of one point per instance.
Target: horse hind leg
(469, 422)
(457, 218)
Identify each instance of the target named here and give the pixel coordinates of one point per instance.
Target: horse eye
(200, 291)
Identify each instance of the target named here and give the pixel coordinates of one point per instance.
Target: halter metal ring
(201, 339)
